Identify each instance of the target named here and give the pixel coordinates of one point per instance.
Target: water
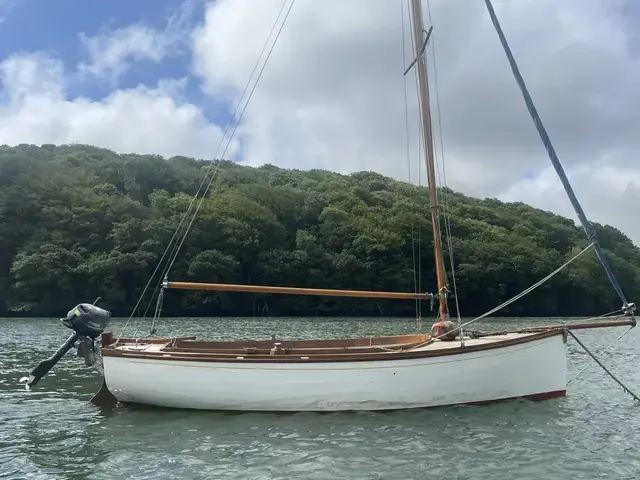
(52, 432)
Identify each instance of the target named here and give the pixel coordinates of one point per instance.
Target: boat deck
(287, 351)
(198, 348)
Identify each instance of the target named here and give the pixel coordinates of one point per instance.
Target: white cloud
(332, 94)
(37, 109)
(605, 191)
(113, 51)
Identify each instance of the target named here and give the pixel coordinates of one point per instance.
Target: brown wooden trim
(536, 397)
(298, 347)
(229, 287)
(288, 350)
(331, 343)
(316, 358)
(629, 322)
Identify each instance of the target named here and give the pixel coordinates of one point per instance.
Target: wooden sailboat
(446, 367)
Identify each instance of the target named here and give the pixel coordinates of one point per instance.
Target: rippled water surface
(53, 432)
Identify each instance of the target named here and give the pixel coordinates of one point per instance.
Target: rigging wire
(237, 124)
(555, 161)
(413, 228)
(421, 130)
(595, 359)
(420, 204)
(599, 353)
(176, 247)
(175, 250)
(515, 298)
(445, 194)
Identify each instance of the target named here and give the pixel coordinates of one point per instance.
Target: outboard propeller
(87, 322)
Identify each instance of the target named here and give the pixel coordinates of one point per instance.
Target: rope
(599, 353)
(176, 246)
(586, 225)
(156, 314)
(595, 359)
(509, 302)
(531, 288)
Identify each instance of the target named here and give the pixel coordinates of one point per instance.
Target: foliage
(78, 222)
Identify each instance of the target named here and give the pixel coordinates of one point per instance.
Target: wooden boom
(227, 287)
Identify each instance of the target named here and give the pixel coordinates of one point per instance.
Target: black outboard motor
(87, 322)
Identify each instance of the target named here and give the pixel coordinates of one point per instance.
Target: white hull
(536, 368)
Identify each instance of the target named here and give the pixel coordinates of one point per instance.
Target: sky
(164, 77)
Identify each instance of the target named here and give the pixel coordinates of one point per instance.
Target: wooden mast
(423, 84)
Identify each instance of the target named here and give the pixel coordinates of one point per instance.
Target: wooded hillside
(77, 222)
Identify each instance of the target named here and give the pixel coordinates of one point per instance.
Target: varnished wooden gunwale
(380, 355)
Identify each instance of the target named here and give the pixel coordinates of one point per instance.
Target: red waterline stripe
(536, 397)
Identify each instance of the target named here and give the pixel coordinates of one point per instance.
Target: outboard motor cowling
(87, 322)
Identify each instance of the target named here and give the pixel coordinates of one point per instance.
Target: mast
(425, 111)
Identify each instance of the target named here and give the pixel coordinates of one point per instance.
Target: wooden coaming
(330, 343)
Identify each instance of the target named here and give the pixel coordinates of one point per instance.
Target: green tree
(78, 222)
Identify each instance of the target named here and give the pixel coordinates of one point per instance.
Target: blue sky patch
(56, 27)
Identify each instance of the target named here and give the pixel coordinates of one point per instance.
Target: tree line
(78, 222)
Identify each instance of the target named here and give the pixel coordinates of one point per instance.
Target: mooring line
(599, 353)
(595, 359)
